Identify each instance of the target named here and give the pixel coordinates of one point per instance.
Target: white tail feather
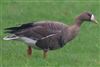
(10, 37)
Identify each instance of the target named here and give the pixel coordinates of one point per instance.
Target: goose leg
(29, 50)
(45, 53)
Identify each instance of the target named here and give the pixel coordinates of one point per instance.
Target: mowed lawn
(83, 51)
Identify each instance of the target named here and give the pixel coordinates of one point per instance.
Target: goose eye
(89, 14)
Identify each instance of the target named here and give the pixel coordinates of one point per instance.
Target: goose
(47, 35)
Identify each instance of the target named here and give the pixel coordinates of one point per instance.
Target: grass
(83, 51)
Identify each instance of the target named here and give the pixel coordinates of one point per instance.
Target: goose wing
(37, 30)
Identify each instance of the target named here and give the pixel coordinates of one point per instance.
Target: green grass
(83, 51)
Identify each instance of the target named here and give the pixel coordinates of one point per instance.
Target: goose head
(87, 16)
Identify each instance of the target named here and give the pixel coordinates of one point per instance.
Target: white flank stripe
(48, 36)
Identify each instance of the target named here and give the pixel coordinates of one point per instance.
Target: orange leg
(29, 51)
(45, 51)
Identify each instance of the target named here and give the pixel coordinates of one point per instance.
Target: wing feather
(40, 30)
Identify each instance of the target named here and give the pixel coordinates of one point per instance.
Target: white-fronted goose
(47, 35)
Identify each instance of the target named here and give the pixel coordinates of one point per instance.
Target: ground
(83, 51)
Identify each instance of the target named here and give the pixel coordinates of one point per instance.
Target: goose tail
(10, 37)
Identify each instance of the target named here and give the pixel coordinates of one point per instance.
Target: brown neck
(78, 22)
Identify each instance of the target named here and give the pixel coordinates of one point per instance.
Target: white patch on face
(92, 18)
